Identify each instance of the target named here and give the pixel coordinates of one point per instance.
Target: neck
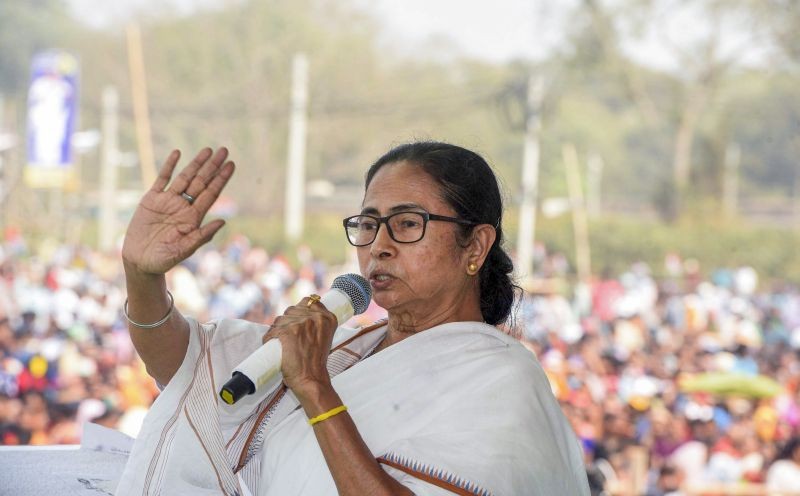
(403, 324)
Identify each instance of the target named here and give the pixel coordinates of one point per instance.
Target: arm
(165, 230)
(350, 461)
(306, 334)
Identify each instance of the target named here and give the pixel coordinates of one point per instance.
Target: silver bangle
(154, 324)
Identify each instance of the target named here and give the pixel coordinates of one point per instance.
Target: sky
(498, 30)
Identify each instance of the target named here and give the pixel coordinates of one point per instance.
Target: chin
(385, 301)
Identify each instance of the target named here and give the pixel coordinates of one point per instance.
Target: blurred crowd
(689, 381)
(682, 381)
(65, 354)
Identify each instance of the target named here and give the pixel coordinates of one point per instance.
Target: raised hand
(166, 227)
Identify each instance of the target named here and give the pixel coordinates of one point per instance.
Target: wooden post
(140, 112)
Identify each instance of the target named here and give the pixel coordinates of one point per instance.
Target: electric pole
(108, 174)
(296, 161)
(530, 177)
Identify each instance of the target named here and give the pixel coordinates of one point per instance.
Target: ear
(483, 236)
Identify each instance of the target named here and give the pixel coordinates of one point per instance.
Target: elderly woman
(434, 400)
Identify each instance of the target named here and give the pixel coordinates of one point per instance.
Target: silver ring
(186, 196)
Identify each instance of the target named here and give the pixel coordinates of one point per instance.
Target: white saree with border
(458, 409)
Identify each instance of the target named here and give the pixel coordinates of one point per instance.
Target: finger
(207, 172)
(165, 174)
(209, 230)
(302, 308)
(209, 195)
(317, 315)
(312, 302)
(194, 238)
(279, 324)
(180, 183)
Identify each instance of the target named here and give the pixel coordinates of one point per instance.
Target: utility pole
(594, 184)
(530, 177)
(294, 203)
(108, 174)
(730, 182)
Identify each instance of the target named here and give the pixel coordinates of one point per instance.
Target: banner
(52, 116)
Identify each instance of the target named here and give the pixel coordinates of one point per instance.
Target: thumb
(208, 231)
(204, 234)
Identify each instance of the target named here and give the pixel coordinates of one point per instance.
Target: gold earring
(472, 268)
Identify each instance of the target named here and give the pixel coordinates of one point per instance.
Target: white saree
(458, 409)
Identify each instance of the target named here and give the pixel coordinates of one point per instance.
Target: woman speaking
(434, 400)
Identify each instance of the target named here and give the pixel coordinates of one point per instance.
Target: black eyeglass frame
(426, 217)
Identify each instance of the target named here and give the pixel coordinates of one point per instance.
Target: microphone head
(356, 288)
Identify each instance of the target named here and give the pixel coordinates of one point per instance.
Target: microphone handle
(264, 364)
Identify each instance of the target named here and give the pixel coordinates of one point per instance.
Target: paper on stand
(98, 438)
(92, 469)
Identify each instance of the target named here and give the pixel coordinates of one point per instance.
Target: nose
(384, 245)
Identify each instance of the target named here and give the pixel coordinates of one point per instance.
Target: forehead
(403, 183)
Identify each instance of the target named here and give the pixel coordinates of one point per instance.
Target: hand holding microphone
(349, 295)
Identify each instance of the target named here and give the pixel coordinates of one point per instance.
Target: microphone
(349, 295)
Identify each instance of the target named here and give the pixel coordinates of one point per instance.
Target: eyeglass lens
(404, 227)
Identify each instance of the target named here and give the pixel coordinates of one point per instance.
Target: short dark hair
(470, 187)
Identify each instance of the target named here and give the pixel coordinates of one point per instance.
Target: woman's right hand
(166, 228)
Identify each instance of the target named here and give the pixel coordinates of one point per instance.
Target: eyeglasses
(404, 227)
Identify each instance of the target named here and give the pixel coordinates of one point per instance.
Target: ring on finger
(189, 198)
(312, 299)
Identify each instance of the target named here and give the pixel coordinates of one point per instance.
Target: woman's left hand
(306, 333)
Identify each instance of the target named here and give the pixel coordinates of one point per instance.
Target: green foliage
(765, 120)
(222, 77)
(323, 233)
(617, 242)
(27, 27)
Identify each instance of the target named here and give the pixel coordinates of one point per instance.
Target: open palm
(167, 228)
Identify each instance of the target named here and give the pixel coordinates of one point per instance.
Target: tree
(698, 68)
(27, 27)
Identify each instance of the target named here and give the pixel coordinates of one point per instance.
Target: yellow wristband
(325, 416)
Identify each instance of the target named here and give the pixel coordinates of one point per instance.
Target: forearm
(352, 465)
(162, 348)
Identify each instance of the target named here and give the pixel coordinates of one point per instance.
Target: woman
(438, 401)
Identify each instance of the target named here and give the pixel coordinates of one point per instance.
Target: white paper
(98, 438)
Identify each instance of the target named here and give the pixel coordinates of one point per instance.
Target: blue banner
(52, 117)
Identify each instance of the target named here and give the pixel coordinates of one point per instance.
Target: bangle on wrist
(325, 416)
(154, 324)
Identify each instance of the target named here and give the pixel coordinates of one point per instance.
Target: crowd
(684, 382)
(621, 351)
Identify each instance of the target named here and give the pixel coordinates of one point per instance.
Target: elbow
(161, 376)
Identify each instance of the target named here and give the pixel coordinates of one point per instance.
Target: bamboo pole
(140, 113)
